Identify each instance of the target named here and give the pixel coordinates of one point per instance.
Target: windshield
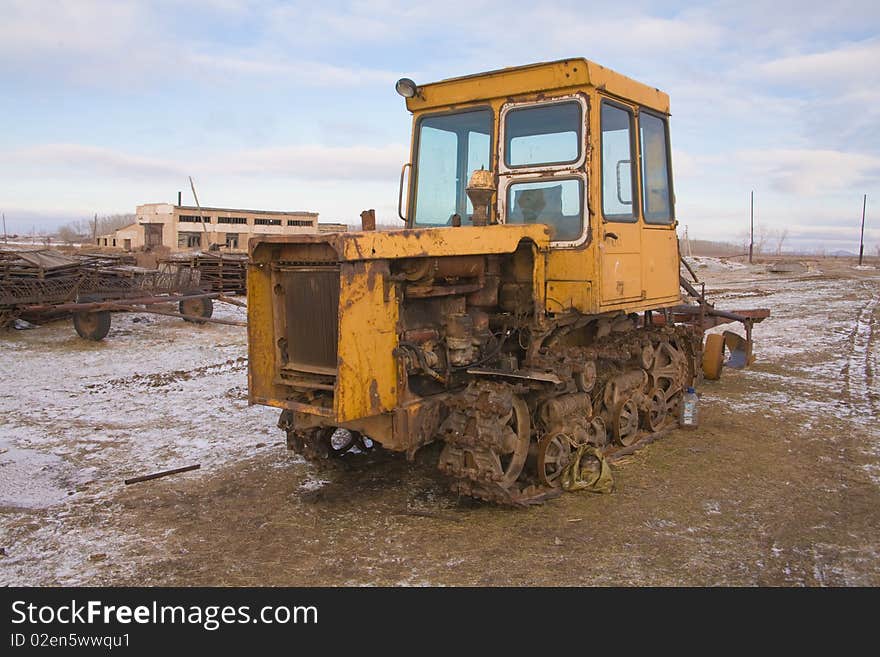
(450, 148)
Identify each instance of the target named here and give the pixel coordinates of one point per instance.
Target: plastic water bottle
(689, 410)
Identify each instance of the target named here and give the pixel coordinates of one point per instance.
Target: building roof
(206, 208)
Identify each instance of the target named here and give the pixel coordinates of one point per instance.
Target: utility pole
(5, 236)
(201, 216)
(752, 231)
(95, 229)
(862, 238)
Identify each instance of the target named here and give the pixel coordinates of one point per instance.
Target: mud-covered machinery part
(487, 435)
(513, 461)
(342, 441)
(655, 412)
(597, 432)
(713, 356)
(554, 453)
(625, 422)
(196, 307)
(92, 325)
(670, 372)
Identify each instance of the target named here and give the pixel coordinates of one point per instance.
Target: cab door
(659, 240)
(620, 233)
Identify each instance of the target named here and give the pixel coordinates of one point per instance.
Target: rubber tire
(206, 309)
(96, 333)
(713, 356)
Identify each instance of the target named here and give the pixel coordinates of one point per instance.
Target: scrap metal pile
(220, 272)
(35, 283)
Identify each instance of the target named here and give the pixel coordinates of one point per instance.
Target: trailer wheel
(92, 325)
(713, 356)
(201, 307)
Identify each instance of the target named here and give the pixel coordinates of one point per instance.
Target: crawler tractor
(530, 306)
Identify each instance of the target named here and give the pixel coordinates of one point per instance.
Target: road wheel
(554, 454)
(92, 325)
(713, 356)
(625, 422)
(201, 307)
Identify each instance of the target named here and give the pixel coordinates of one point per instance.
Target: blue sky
(289, 105)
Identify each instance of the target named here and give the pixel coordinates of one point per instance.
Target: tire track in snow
(859, 369)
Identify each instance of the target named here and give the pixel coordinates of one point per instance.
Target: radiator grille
(311, 314)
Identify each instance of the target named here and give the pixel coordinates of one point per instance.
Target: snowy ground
(780, 485)
(79, 417)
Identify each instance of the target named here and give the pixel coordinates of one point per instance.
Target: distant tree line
(86, 230)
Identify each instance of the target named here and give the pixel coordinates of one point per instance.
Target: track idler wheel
(513, 461)
(625, 422)
(655, 411)
(554, 454)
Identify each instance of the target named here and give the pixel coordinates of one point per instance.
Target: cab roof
(568, 74)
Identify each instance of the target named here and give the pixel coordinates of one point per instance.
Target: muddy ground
(779, 486)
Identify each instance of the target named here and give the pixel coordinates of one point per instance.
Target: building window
(231, 240)
(114, 241)
(193, 219)
(267, 222)
(189, 240)
(299, 222)
(231, 220)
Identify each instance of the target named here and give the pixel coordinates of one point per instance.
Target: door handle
(611, 235)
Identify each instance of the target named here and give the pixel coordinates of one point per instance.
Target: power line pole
(95, 229)
(752, 231)
(5, 236)
(862, 238)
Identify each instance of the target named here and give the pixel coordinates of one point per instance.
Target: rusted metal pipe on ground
(157, 475)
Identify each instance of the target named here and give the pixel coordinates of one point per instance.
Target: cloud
(249, 64)
(810, 172)
(311, 162)
(78, 160)
(851, 65)
(317, 162)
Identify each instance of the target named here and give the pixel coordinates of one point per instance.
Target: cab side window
(655, 169)
(618, 178)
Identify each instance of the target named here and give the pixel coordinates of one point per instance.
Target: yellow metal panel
(620, 273)
(261, 348)
(660, 262)
(505, 82)
(366, 382)
(413, 243)
(464, 240)
(569, 295)
(575, 73)
(621, 277)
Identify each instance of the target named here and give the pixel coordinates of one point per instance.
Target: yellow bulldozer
(529, 311)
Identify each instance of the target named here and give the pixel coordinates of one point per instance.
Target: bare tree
(68, 234)
(84, 230)
(761, 237)
(781, 235)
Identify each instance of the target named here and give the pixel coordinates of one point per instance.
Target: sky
(291, 105)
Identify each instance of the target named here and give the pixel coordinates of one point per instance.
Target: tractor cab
(568, 144)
